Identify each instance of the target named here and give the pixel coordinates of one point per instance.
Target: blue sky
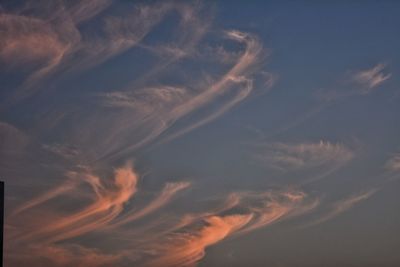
(200, 133)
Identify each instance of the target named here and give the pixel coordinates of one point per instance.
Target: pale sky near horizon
(200, 133)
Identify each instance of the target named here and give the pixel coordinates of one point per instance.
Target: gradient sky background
(200, 133)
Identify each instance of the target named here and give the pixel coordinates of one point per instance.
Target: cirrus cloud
(371, 78)
(285, 156)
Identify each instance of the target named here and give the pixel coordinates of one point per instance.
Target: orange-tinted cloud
(62, 189)
(49, 41)
(38, 240)
(56, 45)
(186, 245)
(26, 40)
(60, 256)
(162, 199)
(238, 76)
(170, 242)
(107, 205)
(188, 248)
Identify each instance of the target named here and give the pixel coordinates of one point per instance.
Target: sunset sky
(200, 133)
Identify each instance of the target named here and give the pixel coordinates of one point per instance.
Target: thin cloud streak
(236, 76)
(342, 206)
(287, 157)
(62, 256)
(371, 78)
(107, 205)
(259, 210)
(181, 244)
(393, 164)
(56, 41)
(161, 200)
(189, 248)
(97, 84)
(143, 114)
(60, 190)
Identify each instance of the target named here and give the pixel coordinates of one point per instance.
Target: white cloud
(371, 78)
(295, 156)
(393, 164)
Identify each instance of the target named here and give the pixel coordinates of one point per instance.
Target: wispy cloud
(58, 48)
(393, 164)
(108, 204)
(33, 44)
(11, 139)
(53, 193)
(61, 150)
(284, 156)
(166, 91)
(62, 256)
(53, 44)
(157, 109)
(258, 210)
(30, 40)
(87, 9)
(146, 100)
(162, 199)
(170, 244)
(343, 205)
(371, 78)
(238, 75)
(189, 248)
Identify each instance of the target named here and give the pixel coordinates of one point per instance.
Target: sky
(200, 133)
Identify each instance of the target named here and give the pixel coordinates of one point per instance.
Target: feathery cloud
(190, 247)
(257, 210)
(343, 205)
(62, 256)
(103, 124)
(164, 197)
(108, 204)
(157, 109)
(393, 164)
(181, 244)
(304, 155)
(371, 78)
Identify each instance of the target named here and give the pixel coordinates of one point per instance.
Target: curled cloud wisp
(239, 75)
(185, 103)
(181, 244)
(343, 205)
(187, 244)
(55, 44)
(164, 197)
(108, 203)
(289, 157)
(393, 164)
(371, 78)
(188, 249)
(76, 49)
